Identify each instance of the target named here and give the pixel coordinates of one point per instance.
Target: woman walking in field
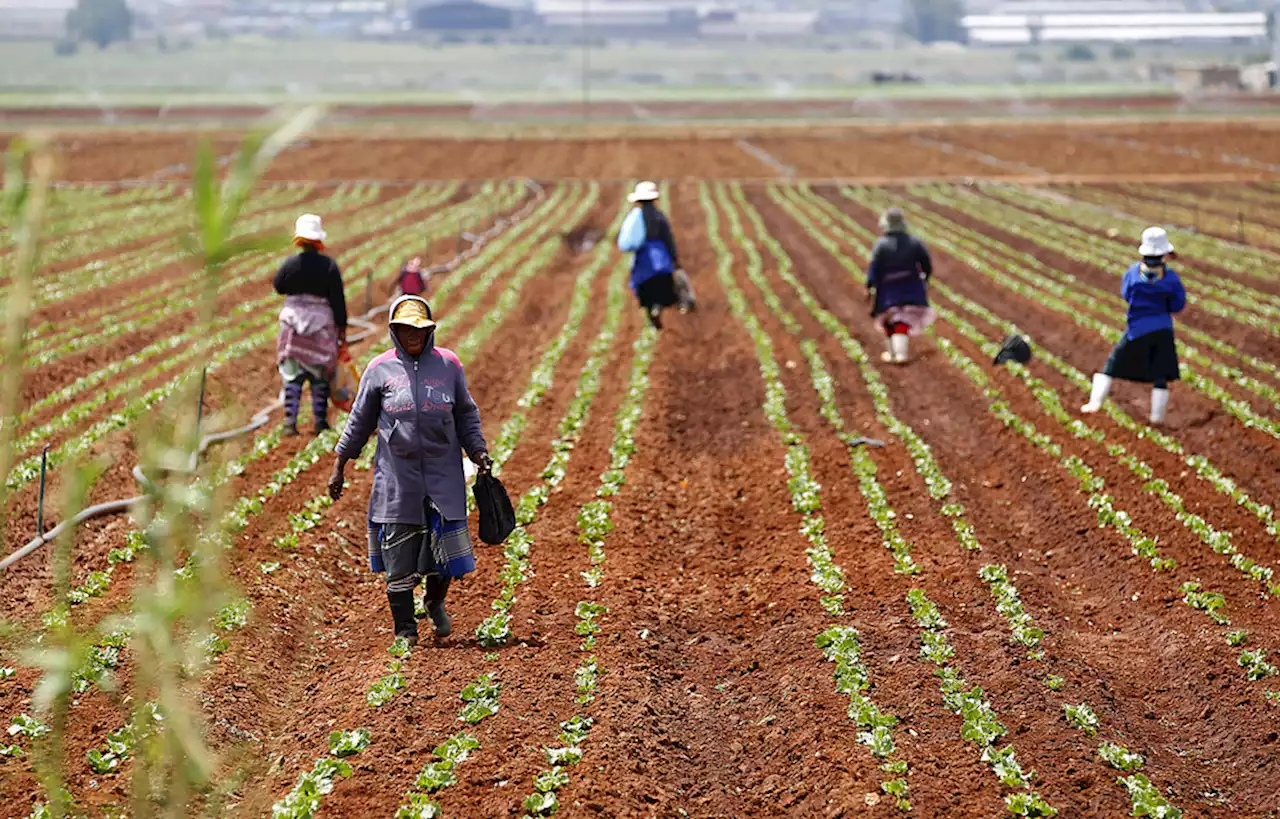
(313, 323)
(415, 398)
(897, 286)
(1147, 353)
(656, 276)
(412, 280)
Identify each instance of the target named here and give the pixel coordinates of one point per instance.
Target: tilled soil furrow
(707, 671)
(1198, 421)
(537, 672)
(903, 682)
(1111, 633)
(359, 628)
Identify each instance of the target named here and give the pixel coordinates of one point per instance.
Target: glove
(483, 462)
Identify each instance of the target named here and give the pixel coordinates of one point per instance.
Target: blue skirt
(1147, 359)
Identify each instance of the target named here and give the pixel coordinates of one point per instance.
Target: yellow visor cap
(413, 313)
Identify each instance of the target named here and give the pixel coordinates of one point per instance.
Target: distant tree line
(101, 22)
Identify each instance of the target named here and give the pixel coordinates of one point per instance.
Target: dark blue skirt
(1147, 359)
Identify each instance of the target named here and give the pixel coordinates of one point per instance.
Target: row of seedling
(839, 643)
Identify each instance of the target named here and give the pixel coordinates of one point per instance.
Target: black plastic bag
(1016, 349)
(497, 517)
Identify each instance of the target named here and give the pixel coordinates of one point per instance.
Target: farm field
(1065, 151)
(717, 603)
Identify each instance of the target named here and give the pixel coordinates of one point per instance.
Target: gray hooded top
(424, 415)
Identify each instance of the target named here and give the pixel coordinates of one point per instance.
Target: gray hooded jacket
(424, 415)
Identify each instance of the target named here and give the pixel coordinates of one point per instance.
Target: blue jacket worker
(1147, 353)
(415, 398)
(655, 269)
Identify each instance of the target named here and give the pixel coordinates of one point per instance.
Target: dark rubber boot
(292, 398)
(437, 588)
(320, 405)
(402, 615)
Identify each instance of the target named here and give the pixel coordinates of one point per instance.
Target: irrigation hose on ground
(263, 416)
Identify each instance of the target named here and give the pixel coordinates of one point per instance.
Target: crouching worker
(415, 398)
(1147, 352)
(897, 286)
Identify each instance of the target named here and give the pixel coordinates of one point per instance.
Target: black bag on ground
(1016, 349)
(497, 517)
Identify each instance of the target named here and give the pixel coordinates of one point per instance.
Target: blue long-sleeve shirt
(1151, 303)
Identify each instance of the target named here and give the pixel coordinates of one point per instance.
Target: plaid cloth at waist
(308, 333)
(440, 547)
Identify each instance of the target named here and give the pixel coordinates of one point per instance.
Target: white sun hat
(1155, 242)
(644, 192)
(309, 227)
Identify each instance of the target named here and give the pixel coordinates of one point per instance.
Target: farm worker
(415, 398)
(313, 323)
(897, 285)
(412, 280)
(646, 232)
(1147, 353)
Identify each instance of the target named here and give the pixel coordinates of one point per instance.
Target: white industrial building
(1113, 26)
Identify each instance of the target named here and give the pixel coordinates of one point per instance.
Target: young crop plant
(1147, 799)
(304, 800)
(1255, 664)
(1009, 605)
(349, 743)
(1082, 717)
(481, 698)
(1211, 603)
(1119, 757)
(543, 800)
(122, 741)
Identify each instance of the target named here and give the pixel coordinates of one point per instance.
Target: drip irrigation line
(263, 416)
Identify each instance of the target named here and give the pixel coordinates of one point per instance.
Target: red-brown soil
(713, 700)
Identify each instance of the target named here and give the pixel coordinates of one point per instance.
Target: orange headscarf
(312, 243)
